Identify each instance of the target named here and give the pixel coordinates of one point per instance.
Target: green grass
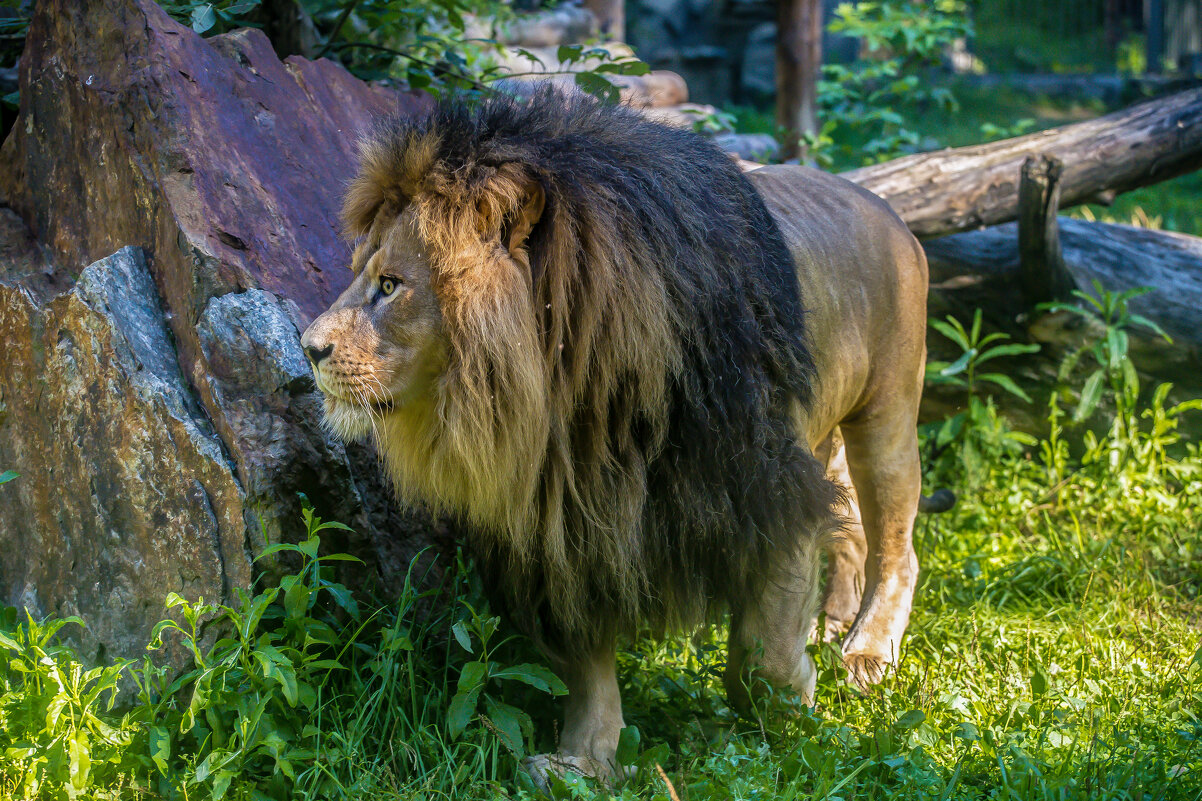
(1053, 653)
(1044, 37)
(1171, 206)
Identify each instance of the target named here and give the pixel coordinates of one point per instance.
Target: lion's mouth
(363, 404)
(348, 398)
(382, 406)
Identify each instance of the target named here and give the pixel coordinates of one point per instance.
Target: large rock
(225, 167)
(125, 491)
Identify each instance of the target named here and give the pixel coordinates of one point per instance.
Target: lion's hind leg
(883, 461)
(846, 549)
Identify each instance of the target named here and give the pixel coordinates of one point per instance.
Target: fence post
(1042, 273)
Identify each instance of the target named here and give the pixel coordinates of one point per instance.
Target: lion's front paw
(563, 766)
(865, 669)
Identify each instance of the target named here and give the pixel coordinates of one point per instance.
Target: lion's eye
(388, 286)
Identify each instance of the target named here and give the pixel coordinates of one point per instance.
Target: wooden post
(798, 63)
(1041, 264)
(1155, 42)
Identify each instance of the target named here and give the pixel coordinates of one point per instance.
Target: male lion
(613, 356)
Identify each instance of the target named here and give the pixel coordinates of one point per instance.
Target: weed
(976, 436)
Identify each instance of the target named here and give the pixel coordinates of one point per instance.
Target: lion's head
(580, 332)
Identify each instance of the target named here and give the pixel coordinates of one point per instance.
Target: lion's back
(863, 277)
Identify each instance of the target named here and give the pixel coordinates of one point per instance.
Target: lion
(649, 386)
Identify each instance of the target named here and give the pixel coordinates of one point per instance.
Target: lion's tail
(941, 500)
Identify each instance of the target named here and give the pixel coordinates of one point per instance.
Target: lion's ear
(518, 225)
(365, 200)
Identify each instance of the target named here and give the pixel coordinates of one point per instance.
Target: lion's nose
(317, 354)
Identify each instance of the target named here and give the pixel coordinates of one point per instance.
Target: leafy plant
(8, 475)
(977, 431)
(862, 105)
(53, 711)
(512, 725)
(1113, 374)
(218, 16)
(246, 689)
(294, 691)
(427, 44)
(963, 372)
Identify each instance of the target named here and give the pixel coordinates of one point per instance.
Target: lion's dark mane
(727, 490)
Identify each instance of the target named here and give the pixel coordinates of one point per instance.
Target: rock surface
(157, 449)
(125, 491)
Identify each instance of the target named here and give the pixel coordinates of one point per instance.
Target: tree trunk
(970, 187)
(611, 18)
(288, 27)
(798, 63)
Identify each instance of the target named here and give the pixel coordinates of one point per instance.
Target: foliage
(1113, 374)
(218, 16)
(975, 437)
(57, 742)
(862, 105)
(513, 726)
(426, 44)
(296, 691)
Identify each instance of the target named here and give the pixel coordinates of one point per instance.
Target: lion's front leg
(769, 634)
(588, 743)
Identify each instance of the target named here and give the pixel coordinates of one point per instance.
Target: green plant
(294, 691)
(978, 433)
(219, 16)
(427, 44)
(53, 713)
(247, 688)
(862, 105)
(1113, 374)
(514, 726)
(8, 475)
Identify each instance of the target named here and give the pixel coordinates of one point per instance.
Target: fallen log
(1118, 256)
(970, 187)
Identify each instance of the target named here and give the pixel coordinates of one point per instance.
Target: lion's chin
(351, 421)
